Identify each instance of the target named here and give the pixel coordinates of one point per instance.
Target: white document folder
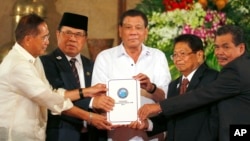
(126, 93)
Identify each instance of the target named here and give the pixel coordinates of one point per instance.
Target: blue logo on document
(122, 92)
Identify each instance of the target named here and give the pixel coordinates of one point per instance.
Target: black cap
(75, 21)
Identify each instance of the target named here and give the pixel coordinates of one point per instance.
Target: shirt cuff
(150, 125)
(67, 104)
(90, 103)
(60, 91)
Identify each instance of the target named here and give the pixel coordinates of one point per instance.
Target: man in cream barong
(25, 94)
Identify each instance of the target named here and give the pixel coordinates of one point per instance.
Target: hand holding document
(126, 93)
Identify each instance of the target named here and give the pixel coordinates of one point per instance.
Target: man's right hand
(103, 102)
(148, 110)
(99, 121)
(139, 125)
(96, 90)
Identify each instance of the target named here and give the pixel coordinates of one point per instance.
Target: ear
(57, 34)
(146, 34)
(242, 47)
(200, 56)
(26, 40)
(200, 53)
(120, 31)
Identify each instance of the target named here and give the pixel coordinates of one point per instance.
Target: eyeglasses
(45, 38)
(69, 34)
(181, 54)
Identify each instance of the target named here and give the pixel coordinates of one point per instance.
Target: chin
(222, 63)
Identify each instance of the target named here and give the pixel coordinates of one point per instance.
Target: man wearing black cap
(63, 73)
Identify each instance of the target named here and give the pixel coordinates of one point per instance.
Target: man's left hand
(148, 110)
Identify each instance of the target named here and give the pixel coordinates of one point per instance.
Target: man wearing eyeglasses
(188, 58)
(231, 89)
(25, 93)
(65, 67)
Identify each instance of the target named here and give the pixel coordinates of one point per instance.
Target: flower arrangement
(170, 18)
(171, 5)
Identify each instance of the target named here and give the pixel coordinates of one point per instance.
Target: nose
(72, 37)
(47, 42)
(177, 59)
(133, 30)
(218, 51)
